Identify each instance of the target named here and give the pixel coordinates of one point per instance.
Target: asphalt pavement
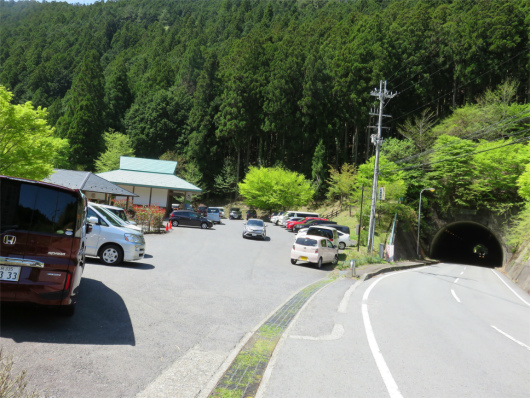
(438, 330)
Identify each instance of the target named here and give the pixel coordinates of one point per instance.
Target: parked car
(309, 223)
(275, 217)
(189, 218)
(290, 224)
(202, 210)
(121, 213)
(213, 214)
(235, 213)
(344, 234)
(254, 228)
(291, 219)
(42, 243)
(344, 240)
(251, 213)
(221, 211)
(182, 206)
(314, 249)
(110, 240)
(343, 228)
(327, 232)
(295, 213)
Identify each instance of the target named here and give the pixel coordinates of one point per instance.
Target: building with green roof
(154, 181)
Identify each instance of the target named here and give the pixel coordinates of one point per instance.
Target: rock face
(518, 266)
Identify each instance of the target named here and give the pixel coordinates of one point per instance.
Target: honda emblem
(9, 239)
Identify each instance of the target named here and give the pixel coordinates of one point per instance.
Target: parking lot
(196, 290)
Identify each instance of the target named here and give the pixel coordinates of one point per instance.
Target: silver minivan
(110, 240)
(213, 214)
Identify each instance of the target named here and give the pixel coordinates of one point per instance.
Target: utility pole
(377, 140)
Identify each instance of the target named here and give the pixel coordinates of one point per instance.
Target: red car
(291, 224)
(42, 243)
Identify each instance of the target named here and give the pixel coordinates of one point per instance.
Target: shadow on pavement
(101, 318)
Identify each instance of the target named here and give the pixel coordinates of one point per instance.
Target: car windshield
(306, 242)
(111, 217)
(234, 209)
(257, 223)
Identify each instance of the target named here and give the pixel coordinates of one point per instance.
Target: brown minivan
(42, 243)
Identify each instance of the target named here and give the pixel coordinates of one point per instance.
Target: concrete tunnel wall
(467, 242)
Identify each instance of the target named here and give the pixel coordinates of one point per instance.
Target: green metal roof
(148, 165)
(149, 179)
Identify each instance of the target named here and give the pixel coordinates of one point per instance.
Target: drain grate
(243, 377)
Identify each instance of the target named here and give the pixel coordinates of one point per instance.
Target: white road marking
(391, 385)
(336, 333)
(513, 291)
(454, 295)
(343, 306)
(456, 280)
(511, 338)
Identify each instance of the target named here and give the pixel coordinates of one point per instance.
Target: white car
(344, 240)
(111, 241)
(314, 249)
(276, 217)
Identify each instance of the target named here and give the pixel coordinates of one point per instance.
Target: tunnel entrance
(466, 242)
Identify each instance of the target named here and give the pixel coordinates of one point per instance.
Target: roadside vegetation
(269, 102)
(13, 384)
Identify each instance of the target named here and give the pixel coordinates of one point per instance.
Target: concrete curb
(394, 268)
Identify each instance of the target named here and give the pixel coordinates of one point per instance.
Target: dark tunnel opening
(467, 243)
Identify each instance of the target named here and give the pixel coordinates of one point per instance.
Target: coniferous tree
(84, 120)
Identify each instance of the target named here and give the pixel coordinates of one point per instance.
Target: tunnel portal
(466, 242)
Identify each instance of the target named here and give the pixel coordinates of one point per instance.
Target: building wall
(158, 196)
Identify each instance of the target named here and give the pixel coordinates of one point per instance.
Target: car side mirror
(93, 220)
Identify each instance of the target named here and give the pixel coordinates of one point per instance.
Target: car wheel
(175, 223)
(335, 259)
(319, 264)
(204, 225)
(111, 255)
(342, 245)
(293, 261)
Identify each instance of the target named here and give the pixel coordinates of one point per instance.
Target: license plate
(253, 234)
(9, 273)
(303, 258)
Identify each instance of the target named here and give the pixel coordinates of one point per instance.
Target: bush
(150, 217)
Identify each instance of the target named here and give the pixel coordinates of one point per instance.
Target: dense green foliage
(27, 146)
(262, 82)
(273, 188)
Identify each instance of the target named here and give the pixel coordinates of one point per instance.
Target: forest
(222, 86)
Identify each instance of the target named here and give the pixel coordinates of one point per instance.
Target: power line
(457, 88)
(465, 154)
(473, 135)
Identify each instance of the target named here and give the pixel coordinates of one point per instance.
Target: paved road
(163, 326)
(445, 330)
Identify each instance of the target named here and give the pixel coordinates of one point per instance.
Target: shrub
(150, 217)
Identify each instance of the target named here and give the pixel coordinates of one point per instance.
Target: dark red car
(42, 243)
(291, 224)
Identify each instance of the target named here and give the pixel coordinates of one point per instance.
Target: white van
(295, 213)
(110, 240)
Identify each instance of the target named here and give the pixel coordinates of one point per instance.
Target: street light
(419, 216)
